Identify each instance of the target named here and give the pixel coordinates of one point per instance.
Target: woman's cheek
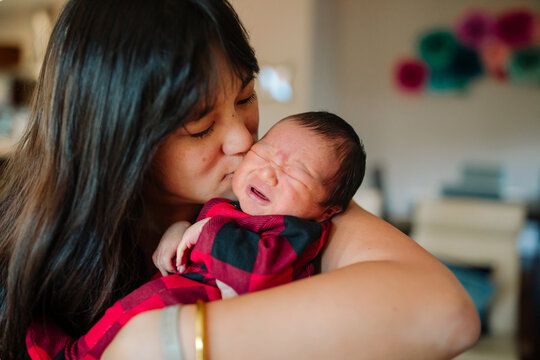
(252, 121)
(197, 158)
(206, 160)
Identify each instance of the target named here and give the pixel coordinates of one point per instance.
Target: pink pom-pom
(475, 27)
(515, 28)
(411, 75)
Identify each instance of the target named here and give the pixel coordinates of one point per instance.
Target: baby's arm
(167, 247)
(189, 239)
(178, 238)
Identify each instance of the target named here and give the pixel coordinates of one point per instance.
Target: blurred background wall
(342, 54)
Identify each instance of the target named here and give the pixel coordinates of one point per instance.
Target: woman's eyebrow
(247, 80)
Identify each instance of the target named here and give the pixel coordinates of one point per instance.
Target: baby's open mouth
(258, 194)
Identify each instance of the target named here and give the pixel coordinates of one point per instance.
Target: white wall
(421, 141)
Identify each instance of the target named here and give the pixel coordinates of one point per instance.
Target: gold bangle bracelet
(200, 332)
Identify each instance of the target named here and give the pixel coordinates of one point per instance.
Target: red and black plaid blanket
(248, 253)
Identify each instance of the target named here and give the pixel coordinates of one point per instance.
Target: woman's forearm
(381, 297)
(345, 314)
(342, 314)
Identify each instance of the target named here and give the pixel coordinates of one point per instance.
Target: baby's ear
(329, 212)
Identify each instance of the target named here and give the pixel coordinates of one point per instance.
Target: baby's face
(285, 173)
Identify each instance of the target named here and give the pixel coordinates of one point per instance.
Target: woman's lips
(257, 195)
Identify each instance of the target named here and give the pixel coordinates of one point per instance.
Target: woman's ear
(329, 212)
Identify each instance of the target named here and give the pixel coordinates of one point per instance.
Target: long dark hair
(119, 76)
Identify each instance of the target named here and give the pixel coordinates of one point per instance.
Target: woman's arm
(381, 296)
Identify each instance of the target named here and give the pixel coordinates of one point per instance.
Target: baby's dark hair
(349, 152)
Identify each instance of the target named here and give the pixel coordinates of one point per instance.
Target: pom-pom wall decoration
(464, 66)
(495, 55)
(411, 75)
(524, 65)
(536, 30)
(475, 27)
(515, 28)
(438, 49)
(504, 46)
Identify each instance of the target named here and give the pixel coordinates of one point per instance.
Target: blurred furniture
(479, 233)
(10, 56)
(529, 319)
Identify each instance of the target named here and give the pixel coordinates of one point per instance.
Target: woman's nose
(268, 175)
(238, 139)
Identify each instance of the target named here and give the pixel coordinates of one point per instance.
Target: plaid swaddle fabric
(248, 253)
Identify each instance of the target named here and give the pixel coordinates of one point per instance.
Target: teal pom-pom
(524, 65)
(438, 49)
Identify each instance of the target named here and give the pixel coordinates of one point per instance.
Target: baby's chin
(252, 209)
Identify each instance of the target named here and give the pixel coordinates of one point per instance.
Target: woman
(142, 112)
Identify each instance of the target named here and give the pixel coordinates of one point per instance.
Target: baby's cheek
(290, 199)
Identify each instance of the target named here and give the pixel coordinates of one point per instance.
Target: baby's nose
(268, 175)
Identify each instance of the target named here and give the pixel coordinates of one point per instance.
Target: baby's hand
(191, 235)
(166, 249)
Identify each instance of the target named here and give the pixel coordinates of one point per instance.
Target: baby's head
(308, 165)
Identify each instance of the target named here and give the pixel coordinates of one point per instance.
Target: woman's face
(196, 163)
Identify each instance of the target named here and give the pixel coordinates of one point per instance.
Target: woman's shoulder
(357, 236)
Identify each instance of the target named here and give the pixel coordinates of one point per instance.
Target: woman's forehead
(232, 82)
(225, 89)
(230, 74)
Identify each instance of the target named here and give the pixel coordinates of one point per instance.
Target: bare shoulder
(373, 249)
(359, 236)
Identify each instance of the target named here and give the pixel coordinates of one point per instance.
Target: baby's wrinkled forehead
(289, 142)
(322, 143)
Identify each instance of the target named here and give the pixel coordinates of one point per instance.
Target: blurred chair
(479, 233)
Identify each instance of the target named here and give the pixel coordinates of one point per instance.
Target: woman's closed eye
(251, 98)
(203, 133)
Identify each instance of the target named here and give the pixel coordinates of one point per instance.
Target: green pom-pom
(524, 65)
(438, 49)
